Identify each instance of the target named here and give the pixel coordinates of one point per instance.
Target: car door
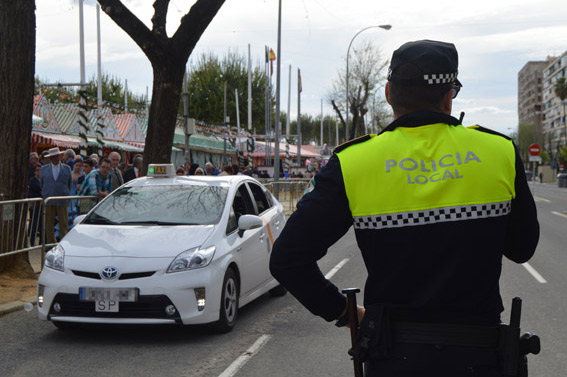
(251, 247)
(273, 221)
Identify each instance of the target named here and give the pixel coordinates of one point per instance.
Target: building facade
(530, 93)
(554, 126)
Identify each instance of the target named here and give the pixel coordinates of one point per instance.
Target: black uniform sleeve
(322, 217)
(523, 230)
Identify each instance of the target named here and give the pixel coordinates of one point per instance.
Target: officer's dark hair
(411, 96)
(89, 162)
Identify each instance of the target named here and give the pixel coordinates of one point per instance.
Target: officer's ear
(447, 105)
(387, 92)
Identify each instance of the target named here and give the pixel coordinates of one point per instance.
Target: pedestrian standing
(115, 173)
(433, 216)
(98, 182)
(56, 180)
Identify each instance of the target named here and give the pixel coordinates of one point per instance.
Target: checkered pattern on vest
(432, 216)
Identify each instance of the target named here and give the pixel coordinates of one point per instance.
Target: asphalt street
(276, 336)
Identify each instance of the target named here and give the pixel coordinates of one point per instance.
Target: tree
(112, 93)
(366, 79)
(528, 134)
(17, 67)
(205, 83)
(168, 57)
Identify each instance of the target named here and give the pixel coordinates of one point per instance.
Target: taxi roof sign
(161, 170)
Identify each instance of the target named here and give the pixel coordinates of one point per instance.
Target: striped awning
(63, 141)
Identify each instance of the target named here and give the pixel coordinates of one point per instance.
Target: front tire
(229, 303)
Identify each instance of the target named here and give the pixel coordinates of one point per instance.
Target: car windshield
(161, 205)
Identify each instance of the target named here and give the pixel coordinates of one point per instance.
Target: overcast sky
(494, 40)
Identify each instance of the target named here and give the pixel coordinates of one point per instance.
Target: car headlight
(192, 259)
(55, 257)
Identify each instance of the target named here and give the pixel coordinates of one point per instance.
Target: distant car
(165, 249)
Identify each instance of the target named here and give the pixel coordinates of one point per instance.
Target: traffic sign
(534, 149)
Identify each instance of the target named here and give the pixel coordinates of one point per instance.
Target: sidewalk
(10, 307)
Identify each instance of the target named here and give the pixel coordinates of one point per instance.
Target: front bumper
(156, 292)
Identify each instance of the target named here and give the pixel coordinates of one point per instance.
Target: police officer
(434, 206)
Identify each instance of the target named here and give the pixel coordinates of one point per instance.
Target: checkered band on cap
(440, 78)
(433, 216)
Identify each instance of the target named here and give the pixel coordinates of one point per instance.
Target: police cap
(431, 63)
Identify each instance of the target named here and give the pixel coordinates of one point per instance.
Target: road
(276, 336)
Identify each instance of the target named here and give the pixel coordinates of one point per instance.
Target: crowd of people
(64, 173)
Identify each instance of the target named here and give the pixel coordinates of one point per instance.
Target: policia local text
(446, 161)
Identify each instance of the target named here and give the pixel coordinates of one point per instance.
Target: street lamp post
(385, 27)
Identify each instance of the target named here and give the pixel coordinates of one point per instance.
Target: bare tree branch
(159, 18)
(132, 25)
(193, 24)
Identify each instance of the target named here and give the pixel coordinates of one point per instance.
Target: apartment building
(554, 125)
(530, 90)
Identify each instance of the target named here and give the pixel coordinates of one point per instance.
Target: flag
(272, 58)
(299, 83)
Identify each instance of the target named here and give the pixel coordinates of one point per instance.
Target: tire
(278, 291)
(229, 303)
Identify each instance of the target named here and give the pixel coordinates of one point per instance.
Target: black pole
(352, 311)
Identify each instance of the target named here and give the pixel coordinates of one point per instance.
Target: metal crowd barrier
(23, 225)
(287, 191)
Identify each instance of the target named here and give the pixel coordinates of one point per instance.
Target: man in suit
(55, 180)
(115, 173)
(135, 171)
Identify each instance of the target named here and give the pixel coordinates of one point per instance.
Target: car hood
(133, 241)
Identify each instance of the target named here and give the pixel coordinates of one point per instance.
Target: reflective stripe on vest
(428, 174)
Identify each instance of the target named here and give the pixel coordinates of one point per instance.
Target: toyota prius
(165, 249)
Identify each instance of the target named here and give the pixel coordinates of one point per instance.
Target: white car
(165, 249)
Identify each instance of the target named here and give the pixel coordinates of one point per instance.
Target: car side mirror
(247, 222)
(78, 219)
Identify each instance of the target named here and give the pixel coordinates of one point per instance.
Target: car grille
(95, 275)
(147, 306)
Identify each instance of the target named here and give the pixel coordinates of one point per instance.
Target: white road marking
(559, 214)
(336, 268)
(538, 199)
(243, 359)
(534, 273)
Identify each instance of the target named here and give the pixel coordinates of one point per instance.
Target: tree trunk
(17, 69)
(166, 94)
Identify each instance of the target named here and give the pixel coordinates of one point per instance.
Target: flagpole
(298, 117)
(288, 104)
(249, 90)
(277, 125)
(321, 140)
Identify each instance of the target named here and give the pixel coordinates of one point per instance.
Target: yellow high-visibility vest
(428, 174)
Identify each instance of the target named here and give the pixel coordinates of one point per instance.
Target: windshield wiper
(100, 220)
(154, 222)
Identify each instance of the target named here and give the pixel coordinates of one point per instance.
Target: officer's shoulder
(352, 142)
(488, 131)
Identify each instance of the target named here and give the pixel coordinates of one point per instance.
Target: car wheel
(229, 303)
(278, 291)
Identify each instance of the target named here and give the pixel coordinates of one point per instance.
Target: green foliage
(311, 129)
(561, 88)
(206, 80)
(112, 93)
(528, 134)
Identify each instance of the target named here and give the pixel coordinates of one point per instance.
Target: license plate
(108, 294)
(106, 306)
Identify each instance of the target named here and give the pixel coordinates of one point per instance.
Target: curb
(15, 306)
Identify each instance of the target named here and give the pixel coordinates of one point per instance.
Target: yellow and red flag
(272, 58)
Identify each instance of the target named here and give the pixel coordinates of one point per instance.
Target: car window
(242, 204)
(232, 224)
(260, 198)
(162, 205)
